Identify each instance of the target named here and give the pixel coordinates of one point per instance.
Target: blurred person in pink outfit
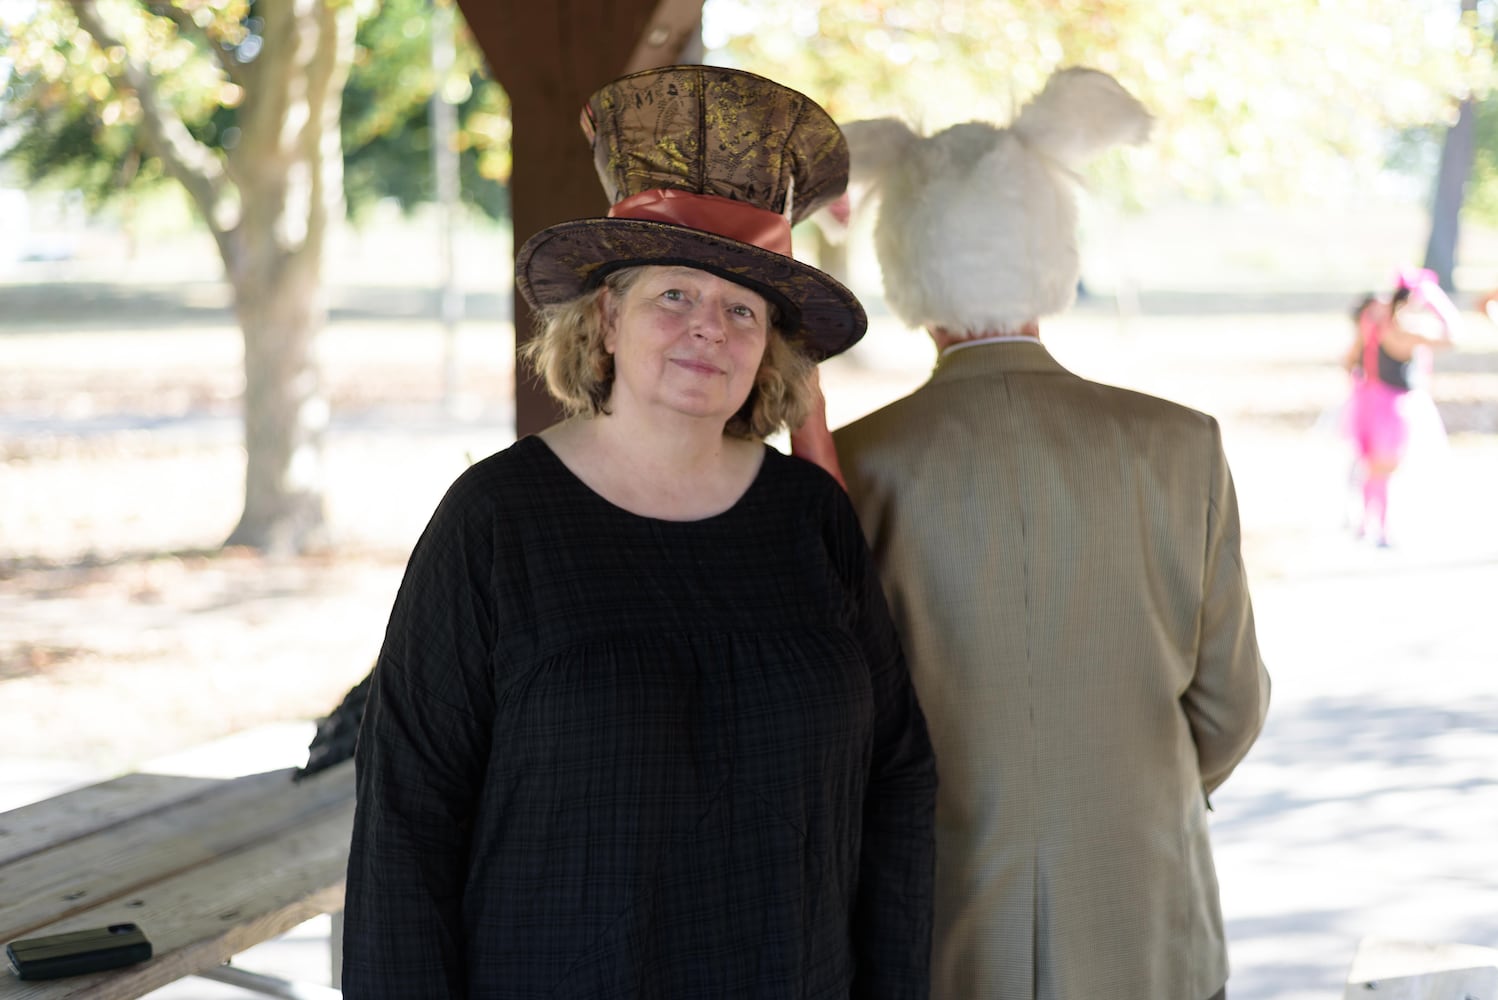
(1390, 406)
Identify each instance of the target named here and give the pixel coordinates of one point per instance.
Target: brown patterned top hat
(709, 168)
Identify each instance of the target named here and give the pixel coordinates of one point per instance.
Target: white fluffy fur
(977, 224)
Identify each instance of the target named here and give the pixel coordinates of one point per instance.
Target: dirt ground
(125, 632)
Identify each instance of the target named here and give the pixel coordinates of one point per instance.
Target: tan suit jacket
(1062, 559)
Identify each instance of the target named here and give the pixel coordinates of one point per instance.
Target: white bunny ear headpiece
(977, 224)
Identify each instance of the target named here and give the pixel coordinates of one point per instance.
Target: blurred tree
(387, 132)
(1455, 169)
(1281, 101)
(1457, 153)
(240, 102)
(1482, 190)
(384, 125)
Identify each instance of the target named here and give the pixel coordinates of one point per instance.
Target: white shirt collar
(998, 338)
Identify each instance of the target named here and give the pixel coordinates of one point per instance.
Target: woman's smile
(697, 365)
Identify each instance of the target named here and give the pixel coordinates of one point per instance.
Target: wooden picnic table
(206, 867)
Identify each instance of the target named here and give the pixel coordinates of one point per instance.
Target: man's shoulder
(906, 418)
(1144, 405)
(911, 417)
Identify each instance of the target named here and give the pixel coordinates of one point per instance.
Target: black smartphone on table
(75, 953)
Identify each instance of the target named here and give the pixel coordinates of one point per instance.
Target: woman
(641, 726)
(1390, 361)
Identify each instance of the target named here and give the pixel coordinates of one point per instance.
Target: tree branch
(225, 57)
(190, 162)
(277, 74)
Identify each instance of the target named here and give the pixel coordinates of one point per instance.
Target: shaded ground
(1367, 808)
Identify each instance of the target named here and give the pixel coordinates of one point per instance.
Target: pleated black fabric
(613, 756)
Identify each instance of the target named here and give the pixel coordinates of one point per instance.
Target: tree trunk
(285, 411)
(1451, 185)
(289, 164)
(1457, 153)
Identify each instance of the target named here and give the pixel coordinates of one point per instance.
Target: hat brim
(563, 261)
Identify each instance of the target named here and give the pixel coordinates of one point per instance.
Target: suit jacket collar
(1004, 358)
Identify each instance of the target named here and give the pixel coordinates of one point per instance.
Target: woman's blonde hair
(567, 353)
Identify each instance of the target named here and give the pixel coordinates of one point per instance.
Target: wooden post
(550, 57)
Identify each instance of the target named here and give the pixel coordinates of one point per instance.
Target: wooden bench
(207, 867)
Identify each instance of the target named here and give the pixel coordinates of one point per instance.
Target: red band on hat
(711, 213)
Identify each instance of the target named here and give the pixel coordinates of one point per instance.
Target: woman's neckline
(599, 498)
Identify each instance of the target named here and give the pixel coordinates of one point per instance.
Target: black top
(1394, 373)
(612, 756)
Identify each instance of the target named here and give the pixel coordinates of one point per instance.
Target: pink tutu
(1382, 420)
(1376, 420)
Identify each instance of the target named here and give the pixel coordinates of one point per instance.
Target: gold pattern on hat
(714, 131)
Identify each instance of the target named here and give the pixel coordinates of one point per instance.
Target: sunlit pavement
(1369, 806)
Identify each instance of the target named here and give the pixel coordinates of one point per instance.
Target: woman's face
(686, 341)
